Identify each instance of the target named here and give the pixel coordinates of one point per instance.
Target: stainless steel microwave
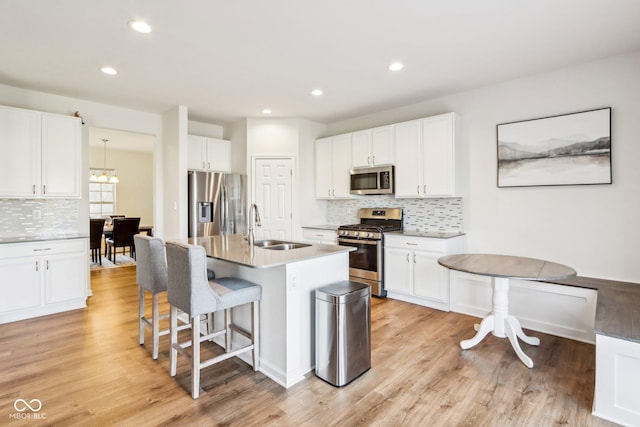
(378, 180)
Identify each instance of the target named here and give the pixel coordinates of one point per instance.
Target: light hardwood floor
(87, 368)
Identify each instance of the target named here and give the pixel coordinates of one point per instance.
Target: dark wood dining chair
(109, 234)
(123, 232)
(96, 227)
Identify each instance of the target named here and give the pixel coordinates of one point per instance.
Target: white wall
(205, 129)
(592, 228)
(312, 211)
(174, 168)
(272, 136)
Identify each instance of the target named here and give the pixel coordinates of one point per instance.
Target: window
(102, 199)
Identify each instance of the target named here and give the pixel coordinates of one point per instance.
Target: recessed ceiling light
(396, 66)
(140, 26)
(266, 111)
(109, 70)
(316, 92)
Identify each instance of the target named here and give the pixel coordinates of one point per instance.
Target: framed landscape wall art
(569, 149)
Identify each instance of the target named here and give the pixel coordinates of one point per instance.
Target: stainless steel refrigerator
(217, 204)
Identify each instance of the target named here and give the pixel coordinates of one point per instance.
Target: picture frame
(567, 149)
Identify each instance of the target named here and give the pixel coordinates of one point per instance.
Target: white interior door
(273, 195)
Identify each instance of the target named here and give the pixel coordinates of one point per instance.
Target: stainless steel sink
(279, 245)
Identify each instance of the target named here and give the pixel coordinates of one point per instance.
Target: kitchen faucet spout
(254, 221)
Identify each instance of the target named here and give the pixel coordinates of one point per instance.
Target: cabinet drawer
(319, 235)
(44, 248)
(419, 243)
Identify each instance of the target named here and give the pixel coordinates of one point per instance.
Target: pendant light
(104, 177)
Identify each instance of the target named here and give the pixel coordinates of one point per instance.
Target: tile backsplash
(419, 214)
(38, 218)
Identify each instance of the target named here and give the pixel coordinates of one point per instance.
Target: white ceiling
(226, 60)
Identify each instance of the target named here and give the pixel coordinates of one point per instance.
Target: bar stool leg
(141, 314)
(227, 335)
(155, 324)
(255, 333)
(173, 341)
(195, 357)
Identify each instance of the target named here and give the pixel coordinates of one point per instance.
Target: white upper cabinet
(438, 155)
(372, 147)
(41, 154)
(426, 157)
(333, 162)
(407, 170)
(61, 163)
(208, 154)
(20, 146)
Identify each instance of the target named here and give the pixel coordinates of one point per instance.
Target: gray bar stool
(190, 291)
(151, 276)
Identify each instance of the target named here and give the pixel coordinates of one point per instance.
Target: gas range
(366, 230)
(373, 222)
(366, 263)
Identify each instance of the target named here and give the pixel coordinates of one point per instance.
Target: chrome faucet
(254, 221)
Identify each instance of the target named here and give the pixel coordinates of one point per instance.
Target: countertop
(429, 234)
(233, 248)
(31, 239)
(322, 226)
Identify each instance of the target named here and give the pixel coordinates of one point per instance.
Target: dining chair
(109, 234)
(189, 290)
(96, 227)
(151, 276)
(123, 231)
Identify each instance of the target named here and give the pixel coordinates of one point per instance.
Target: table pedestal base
(502, 324)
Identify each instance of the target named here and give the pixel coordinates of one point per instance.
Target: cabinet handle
(373, 160)
(333, 192)
(368, 160)
(34, 189)
(44, 189)
(48, 262)
(203, 165)
(414, 257)
(329, 192)
(37, 266)
(418, 189)
(411, 244)
(424, 189)
(408, 257)
(41, 249)
(208, 165)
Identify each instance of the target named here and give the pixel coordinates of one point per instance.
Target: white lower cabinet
(42, 278)
(617, 372)
(412, 272)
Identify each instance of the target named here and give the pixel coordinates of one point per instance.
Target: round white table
(501, 268)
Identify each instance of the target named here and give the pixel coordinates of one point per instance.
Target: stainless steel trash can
(343, 331)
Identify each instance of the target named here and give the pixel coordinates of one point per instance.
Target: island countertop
(233, 248)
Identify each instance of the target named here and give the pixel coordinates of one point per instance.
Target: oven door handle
(359, 242)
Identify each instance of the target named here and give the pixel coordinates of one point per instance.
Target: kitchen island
(287, 309)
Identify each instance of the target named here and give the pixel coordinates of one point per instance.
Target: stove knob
(370, 235)
(356, 233)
